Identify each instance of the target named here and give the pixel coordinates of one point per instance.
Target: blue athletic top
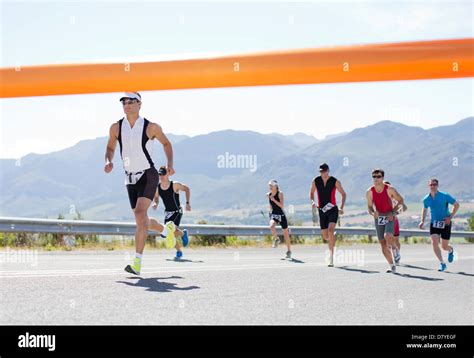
(439, 205)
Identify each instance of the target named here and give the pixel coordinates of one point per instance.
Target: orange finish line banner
(379, 62)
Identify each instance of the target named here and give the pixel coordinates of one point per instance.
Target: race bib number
(439, 224)
(382, 220)
(275, 217)
(169, 214)
(327, 207)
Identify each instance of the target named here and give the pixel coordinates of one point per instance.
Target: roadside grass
(53, 242)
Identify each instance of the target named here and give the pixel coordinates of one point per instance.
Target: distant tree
(470, 226)
(58, 239)
(470, 223)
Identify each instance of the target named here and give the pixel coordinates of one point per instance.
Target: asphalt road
(237, 286)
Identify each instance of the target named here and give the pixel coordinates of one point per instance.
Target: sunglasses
(132, 101)
(376, 176)
(433, 184)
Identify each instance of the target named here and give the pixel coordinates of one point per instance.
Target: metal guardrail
(72, 227)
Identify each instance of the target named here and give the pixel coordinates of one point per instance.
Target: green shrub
(83, 239)
(297, 239)
(470, 227)
(7, 239)
(232, 241)
(209, 240)
(268, 239)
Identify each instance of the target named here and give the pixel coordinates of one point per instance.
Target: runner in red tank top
(382, 202)
(379, 203)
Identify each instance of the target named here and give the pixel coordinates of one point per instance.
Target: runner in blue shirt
(440, 224)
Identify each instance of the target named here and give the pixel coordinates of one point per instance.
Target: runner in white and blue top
(135, 136)
(440, 223)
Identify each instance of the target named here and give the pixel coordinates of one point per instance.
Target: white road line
(52, 273)
(154, 270)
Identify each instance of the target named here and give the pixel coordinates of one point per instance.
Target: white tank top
(135, 146)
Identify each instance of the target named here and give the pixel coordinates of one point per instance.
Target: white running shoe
(331, 262)
(275, 243)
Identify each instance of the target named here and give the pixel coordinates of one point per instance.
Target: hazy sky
(45, 32)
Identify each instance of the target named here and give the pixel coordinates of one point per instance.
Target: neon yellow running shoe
(170, 240)
(135, 267)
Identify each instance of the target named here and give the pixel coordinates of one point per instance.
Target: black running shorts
(280, 219)
(174, 216)
(145, 187)
(329, 216)
(444, 233)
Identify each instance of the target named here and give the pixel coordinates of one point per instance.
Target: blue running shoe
(451, 256)
(397, 258)
(442, 267)
(178, 256)
(185, 239)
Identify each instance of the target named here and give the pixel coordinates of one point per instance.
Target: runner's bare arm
(423, 217)
(455, 209)
(156, 198)
(393, 193)
(311, 193)
(341, 191)
(370, 202)
(155, 132)
(279, 203)
(178, 186)
(110, 149)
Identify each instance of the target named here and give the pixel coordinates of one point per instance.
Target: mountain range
(229, 170)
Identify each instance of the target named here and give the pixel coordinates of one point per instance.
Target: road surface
(237, 286)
